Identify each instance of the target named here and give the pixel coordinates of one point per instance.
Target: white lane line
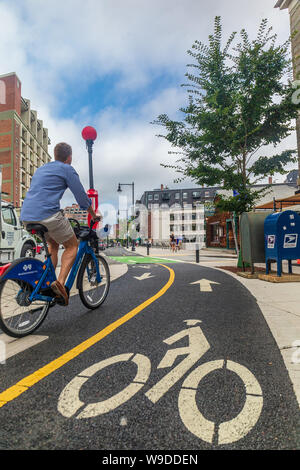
(13, 346)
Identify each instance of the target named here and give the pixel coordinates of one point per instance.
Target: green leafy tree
(239, 101)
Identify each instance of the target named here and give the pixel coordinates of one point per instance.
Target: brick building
(23, 140)
(293, 7)
(74, 212)
(219, 229)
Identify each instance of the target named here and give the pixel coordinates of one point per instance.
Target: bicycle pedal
(48, 292)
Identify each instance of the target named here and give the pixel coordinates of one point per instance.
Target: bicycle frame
(49, 271)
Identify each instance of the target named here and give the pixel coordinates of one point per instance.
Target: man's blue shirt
(48, 185)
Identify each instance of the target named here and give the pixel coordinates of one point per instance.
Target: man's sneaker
(60, 291)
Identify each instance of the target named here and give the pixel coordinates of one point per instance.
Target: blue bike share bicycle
(25, 293)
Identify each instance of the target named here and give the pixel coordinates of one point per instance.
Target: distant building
(219, 227)
(74, 212)
(180, 211)
(23, 140)
(294, 10)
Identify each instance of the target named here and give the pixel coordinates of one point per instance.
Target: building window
(217, 231)
(156, 197)
(150, 197)
(185, 195)
(207, 194)
(196, 194)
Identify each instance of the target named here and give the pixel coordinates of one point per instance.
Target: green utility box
(252, 237)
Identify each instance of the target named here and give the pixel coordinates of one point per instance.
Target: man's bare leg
(53, 250)
(68, 258)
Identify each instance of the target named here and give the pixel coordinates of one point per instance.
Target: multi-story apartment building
(189, 213)
(74, 212)
(179, 211)
(24, 140)
(294, 10)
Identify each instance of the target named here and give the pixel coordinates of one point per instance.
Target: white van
(15, 241)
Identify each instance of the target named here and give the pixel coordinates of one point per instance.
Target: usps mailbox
(282, 239)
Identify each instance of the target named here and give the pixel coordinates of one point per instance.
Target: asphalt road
(222, 383)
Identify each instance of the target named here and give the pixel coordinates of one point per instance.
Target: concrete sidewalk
(279, 303)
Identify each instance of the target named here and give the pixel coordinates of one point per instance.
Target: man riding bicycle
(42, 206)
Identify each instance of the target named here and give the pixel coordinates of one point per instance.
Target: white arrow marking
(192, 322)
(205, 285)
(143, 276)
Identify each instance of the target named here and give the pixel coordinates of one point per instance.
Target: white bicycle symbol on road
(69, 403)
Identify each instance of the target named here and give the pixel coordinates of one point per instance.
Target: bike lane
(232, 338)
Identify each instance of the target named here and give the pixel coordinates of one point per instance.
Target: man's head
(63, 153)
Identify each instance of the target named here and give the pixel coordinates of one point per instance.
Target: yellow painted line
(24, 384)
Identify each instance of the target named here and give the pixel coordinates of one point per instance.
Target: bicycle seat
(36, 228)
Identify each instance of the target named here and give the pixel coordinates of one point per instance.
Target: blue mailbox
(282, 239)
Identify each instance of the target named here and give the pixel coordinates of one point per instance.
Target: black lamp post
(119, 191)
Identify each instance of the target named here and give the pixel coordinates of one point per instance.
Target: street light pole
(89, 144)
(89, 134)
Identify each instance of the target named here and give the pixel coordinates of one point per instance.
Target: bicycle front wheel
(19, 317)
(93, 293)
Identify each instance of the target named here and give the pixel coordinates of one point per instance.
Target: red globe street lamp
(89, 134)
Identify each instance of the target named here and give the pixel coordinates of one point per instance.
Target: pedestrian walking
(172, 242)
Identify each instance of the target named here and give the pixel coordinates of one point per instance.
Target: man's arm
(93, 214)
(79, 193)
(76, 187)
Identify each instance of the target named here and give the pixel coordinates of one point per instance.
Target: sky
(116, 65)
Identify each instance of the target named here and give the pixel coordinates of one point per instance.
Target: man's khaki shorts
(59, 227)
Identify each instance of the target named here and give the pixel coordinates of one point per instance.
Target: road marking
(143, 277)
(192, 322)
(205, 285)
(69, 402)
(20, 387)
(198, 346)
(141, 259)
(70, 405)
(14, 346)
(229, 431)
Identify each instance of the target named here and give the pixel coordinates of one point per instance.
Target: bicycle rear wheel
(91, 292)
(19, 317)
